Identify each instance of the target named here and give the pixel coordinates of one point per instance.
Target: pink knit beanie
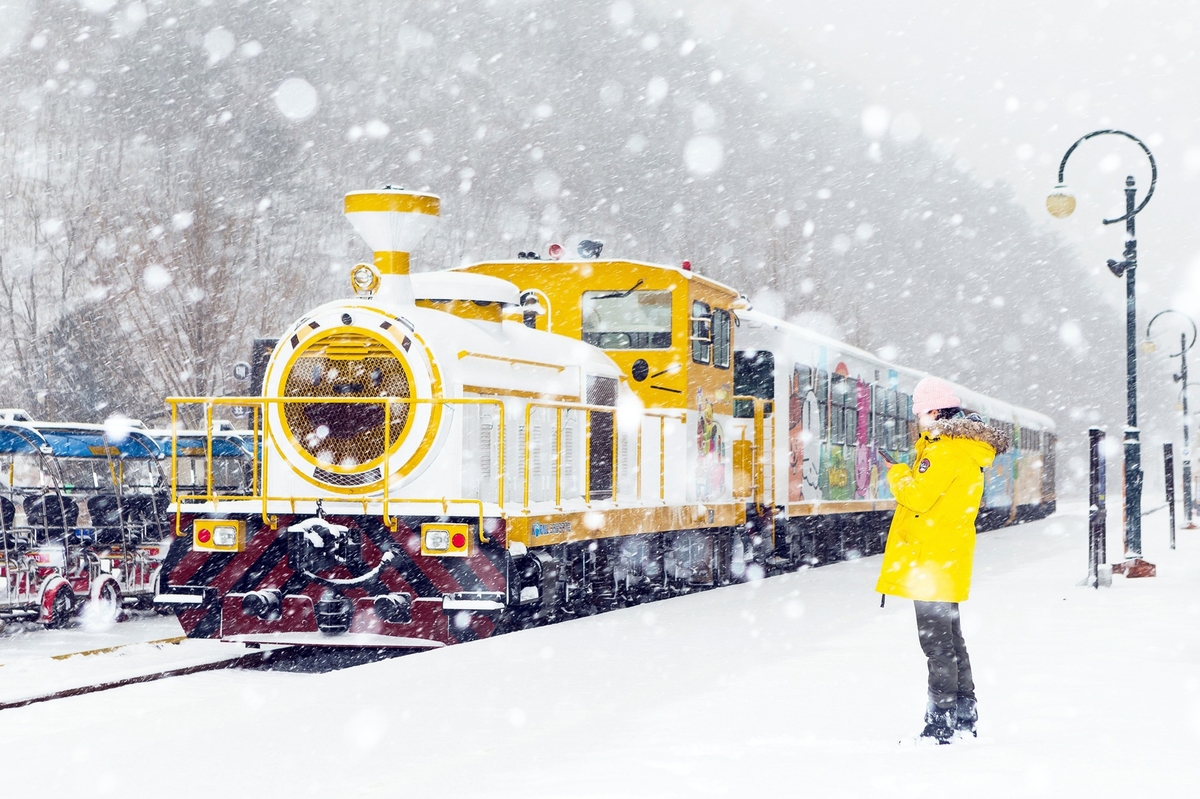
(932, 394)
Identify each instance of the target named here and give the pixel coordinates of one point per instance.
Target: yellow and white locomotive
(445, 455)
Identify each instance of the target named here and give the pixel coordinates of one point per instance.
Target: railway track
(290, 658)
(108, 685)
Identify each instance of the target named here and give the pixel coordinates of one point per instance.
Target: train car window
(878, 414)
(753, 376)
(896, 420)
(802, 377)
(909, 419)
(850, 411)
(870, 413)
(837, 401)
(701, 333)
(889, 418)
(720, 338)
(635, 320)
(823, 400)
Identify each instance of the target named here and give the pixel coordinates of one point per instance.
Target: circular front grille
(346, 437)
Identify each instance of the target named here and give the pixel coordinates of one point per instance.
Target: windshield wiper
(616, 295)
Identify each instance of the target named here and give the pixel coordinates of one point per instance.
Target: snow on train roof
(992, 407)
(686, 274)
(452, 285)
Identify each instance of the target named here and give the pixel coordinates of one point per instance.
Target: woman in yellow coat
(931, 544)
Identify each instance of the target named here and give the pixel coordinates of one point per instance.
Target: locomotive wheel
(61, 610)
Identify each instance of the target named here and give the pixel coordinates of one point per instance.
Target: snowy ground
(35, 662)
(797, 685)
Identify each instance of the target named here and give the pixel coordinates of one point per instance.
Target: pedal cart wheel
(106, 601)
(61, 609)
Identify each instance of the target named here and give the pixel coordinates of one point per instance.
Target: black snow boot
(966, 714)
(939, 724)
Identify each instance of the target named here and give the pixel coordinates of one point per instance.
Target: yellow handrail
(260, 464)
(758, 485)
(558, 458)
(588, 410)
(175, 464)
(261, 455)
(208, 445)
(387, 445)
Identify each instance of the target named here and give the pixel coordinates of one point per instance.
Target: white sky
(1008, 86)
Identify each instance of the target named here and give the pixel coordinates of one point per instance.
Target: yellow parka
(931, 543)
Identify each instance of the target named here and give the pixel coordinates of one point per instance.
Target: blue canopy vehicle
(89, 508)
(33, 560)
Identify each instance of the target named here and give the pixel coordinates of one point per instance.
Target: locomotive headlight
(224, 536)
(219, 535)
(446, 540)
(437, 540)
(364, 279)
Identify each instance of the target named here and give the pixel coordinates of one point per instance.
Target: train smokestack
(392, 222)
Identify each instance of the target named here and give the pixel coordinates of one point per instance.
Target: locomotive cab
(669, 330)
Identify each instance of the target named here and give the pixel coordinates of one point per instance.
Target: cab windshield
(627, 320)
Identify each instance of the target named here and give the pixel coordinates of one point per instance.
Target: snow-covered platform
(36, 662)
(796, 685)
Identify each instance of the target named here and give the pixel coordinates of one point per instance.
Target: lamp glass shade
(1060, 203)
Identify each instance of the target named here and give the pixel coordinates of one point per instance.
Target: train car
(841, 407)
(448, 455)
(82, 518)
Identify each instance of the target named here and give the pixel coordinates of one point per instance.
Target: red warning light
(687, 266)
(555, 252)
(204, 536)
(459, 540)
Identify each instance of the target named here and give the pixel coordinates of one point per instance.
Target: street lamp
(1182, 377)
(1061, 203)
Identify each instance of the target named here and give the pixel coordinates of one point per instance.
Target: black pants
(942, 642)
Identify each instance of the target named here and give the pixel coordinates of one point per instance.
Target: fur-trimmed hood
(973, 430)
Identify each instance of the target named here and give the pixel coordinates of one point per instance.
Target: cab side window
(702, 330)
(720, 336)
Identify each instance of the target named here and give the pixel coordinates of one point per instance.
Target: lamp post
(1191, 489)
(1182, 377)
(1061, 203)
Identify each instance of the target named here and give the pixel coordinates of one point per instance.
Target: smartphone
(887, 458)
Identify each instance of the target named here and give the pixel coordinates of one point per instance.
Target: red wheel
(62, 608)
